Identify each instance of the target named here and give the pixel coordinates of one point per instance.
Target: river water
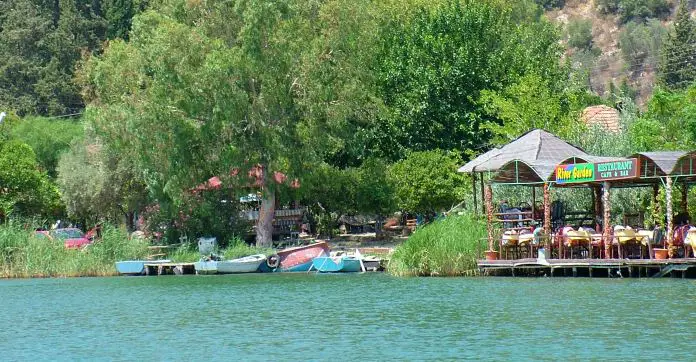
(346, 317)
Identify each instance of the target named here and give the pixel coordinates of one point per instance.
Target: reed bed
(447, 247)
(23, 255)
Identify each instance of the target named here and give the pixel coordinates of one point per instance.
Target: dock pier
(593, 268)
(169, 268)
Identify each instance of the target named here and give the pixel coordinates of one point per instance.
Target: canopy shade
(672, 163)
(537, 151)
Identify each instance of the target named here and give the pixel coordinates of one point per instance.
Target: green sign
(600, 171)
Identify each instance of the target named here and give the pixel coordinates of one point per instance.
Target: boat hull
(325, 264)
(206, 267)
(299, 259)
(243, 265)
(135, 267)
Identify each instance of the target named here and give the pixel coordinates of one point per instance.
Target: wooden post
(483, 196)
(473, 185)
(488, 196)
(533, 201)
(684, 199)
(597, 204)
(656, 206)
(668, 206)
(547, 218)
(606, 234)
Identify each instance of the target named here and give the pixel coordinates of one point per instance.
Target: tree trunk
(488, 197)
(130, 221)
(668, 206)
(607, 232)
(264, 227)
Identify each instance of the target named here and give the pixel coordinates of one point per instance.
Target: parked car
(71, 237)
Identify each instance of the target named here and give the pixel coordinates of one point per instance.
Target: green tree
(529, 104)
(40, 42)
(99, 185)
(435, 67)
(678, 66)
(49, 138)
(202, 89)
(580, 34)
(427, 181)
(642, 42)
(24, 190)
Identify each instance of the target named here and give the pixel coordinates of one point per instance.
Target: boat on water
(136, 267)
(337, 264)
(297, 259)
(247, 264)
(372, 263)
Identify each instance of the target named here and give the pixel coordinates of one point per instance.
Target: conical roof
(538, 149)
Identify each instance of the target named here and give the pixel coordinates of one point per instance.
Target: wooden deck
(685, 268)
(169, 268)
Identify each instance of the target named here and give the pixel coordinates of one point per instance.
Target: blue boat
(135, 267)
(340, 264)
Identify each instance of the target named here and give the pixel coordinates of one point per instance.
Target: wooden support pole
(488, 197)
(668, 206)
(483, 196)
(597, 204)
(656, 205)
(685, 199)
(547, 218)
(533, 201)
(606, 234)
(473, 185)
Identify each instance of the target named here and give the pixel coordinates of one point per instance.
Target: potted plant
(491, 255)
(660, 253)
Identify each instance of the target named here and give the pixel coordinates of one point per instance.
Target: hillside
(625, 41)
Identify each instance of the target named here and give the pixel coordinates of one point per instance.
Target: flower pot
(660, 254)
(491, 255)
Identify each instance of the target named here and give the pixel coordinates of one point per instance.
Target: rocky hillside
(614, 45)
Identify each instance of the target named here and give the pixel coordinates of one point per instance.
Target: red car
(71, 237)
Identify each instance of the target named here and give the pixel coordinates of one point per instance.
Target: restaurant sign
(599, 171)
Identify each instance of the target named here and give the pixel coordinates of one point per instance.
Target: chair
(526, 242)
(509, 241)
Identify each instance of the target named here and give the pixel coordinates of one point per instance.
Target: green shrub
(642, 42)
(447, 247)
(634, 9)
(580, 34)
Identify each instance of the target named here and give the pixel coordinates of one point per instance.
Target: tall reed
(447, 247)
(23, 254)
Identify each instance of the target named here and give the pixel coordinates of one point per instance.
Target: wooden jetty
(612, 268)
(169, 268)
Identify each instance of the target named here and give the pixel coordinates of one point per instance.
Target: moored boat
(372, 263)
(248, 264)
(206, 266)
(136, 267)
(297, 259)
(337, 264)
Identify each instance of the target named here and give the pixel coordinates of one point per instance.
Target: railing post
(606, 234)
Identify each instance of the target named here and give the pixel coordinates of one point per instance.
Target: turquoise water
(346, 317)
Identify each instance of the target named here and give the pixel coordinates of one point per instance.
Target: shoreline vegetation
(23, 255)
(446, 247)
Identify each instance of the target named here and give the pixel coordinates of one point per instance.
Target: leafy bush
(641, 43)
(447, 247)
(634, 9)
(580, 34)
(550, 4)
(427, 181)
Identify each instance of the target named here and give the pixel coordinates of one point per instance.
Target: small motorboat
(297, 259)
(372, 263)
(248, 264)
(337, 264)
(136, 267)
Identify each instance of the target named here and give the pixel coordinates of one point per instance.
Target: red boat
(297, 259)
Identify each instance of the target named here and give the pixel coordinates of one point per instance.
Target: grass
(188, 253)
(447, 247)
(23, 255)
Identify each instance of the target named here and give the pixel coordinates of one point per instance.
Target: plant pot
(491, 255)
(661, 254)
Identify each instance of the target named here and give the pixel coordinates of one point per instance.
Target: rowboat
(372, 263)
(248, 264)
(136, 267)
(338, 264)
(297, 259)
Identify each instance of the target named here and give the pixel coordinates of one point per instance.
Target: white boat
(248, 264)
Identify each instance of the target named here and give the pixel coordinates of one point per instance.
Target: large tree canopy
(435, 68)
